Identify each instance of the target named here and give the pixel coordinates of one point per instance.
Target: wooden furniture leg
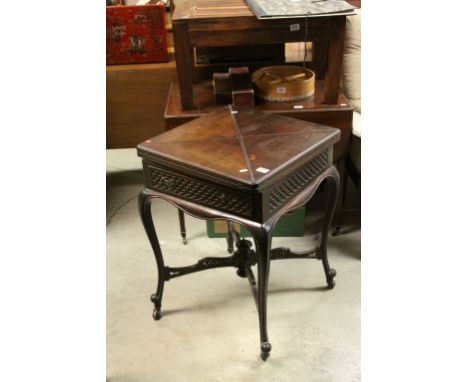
(262, 237)
(144, 207)
(184, 61)
(319, 58)
(353, 172)
(333, 187)
(183, 231)
(335, 59)
(230, 236)
(337, 221)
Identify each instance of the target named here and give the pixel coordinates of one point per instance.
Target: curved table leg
(183, 231)
(230, 237)
(262, 237)
(144, 206)
(332, 185)
(338, 219)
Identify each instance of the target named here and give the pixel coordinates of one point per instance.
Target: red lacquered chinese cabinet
(136, 33)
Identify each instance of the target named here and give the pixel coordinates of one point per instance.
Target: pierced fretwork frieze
(297, 181)
(201, 192)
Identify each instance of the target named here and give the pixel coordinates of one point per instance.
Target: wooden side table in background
(198, 25)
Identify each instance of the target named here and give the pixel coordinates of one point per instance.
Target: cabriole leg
(262, 237)
(144, 207)
(332, 185)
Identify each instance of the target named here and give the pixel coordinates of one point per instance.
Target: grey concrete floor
(209, 329)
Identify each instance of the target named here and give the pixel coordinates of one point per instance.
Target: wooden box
(136, 34)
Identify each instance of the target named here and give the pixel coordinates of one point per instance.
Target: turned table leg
(144, 207)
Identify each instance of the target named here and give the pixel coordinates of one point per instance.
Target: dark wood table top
(240, 145)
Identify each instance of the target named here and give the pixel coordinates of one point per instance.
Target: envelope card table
(247, 167)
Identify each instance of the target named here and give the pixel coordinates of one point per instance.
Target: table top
(239, 144)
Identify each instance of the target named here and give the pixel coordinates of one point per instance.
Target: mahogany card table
(243, 166)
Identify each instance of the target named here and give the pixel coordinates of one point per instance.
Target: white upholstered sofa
(351, 86)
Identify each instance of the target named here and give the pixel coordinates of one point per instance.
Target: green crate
(290, 224)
